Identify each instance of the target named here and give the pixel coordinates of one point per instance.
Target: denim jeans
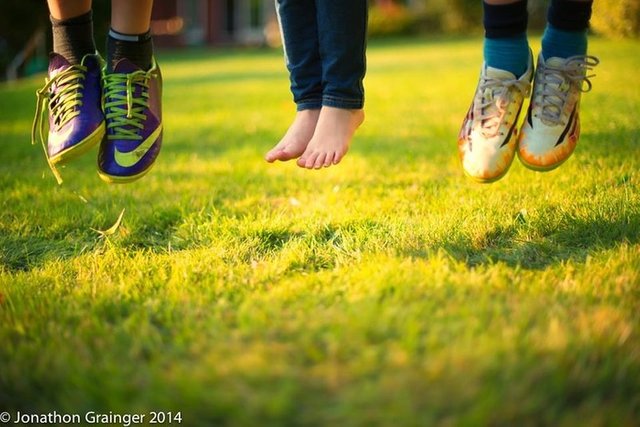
(324, 47)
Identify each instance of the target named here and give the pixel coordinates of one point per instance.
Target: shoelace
(558, 80)
(124, 110)
(493, 100)
(60, 96)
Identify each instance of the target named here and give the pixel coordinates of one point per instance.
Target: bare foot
(331, 139)
(295, 141)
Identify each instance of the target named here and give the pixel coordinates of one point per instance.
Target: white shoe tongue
(496, 73)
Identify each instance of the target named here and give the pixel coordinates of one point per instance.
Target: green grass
(388, 291)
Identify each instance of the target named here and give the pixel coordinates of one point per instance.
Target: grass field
(388, 291)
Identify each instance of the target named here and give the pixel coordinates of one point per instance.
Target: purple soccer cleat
(72, 98)
(132, 108)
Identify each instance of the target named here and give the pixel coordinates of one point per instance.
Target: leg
(300, 36)
(552, 129)
(72, 25)
(132, 88)
(343, 32)
(505, 43)
(131, 17)
(70, 98)
(488, 137)
(130, 36)
(342, 39)
(566, 32)
(65, 9)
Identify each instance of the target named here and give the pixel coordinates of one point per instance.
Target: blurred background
(25, 37)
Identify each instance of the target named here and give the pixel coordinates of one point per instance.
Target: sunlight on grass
(387, 291)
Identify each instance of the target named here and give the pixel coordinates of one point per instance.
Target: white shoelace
(557, 82)
(494, 96)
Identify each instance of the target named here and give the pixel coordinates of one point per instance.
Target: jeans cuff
(309, 104)
(344, 103)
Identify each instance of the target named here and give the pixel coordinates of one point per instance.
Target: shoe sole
(114, 179)
(489, 180)
(81, 148)
(542, 168)
(503, 173)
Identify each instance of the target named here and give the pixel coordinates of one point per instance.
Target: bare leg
(131, 16)
(65, 9)
(299, 28)
(331, 139)
(342, 45)
(297, 138)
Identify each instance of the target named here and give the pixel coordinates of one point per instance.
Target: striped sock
(137, 48)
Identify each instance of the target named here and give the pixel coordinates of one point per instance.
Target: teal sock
(509, 53)
(562, 43)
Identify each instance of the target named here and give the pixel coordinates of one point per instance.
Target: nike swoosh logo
(131, 158)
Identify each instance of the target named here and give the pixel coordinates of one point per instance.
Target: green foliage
(616, 18)
(465, 16)
(19, 19)
(457, 16)
(386, 291)
(462, 15)
(389, 20)
(537, 14)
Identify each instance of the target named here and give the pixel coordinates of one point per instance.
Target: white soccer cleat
(489, 134)
(551, 131)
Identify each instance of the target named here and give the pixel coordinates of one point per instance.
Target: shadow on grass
(332, 244)
(573, 241)
(23, 254)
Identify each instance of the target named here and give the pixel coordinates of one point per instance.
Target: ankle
(137, 48)
(73, 37)
(509, 54)
(562, 43)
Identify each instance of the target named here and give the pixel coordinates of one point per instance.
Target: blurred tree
(388, 17)
(537, 14)
(465, 16)
(459, 16)
(21, 19)
(616, 18)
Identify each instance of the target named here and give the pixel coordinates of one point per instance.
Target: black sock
(569, 15)
(73, 37)
(137, 48)
(503, 21)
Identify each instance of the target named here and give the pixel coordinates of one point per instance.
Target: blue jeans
(324, 47)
